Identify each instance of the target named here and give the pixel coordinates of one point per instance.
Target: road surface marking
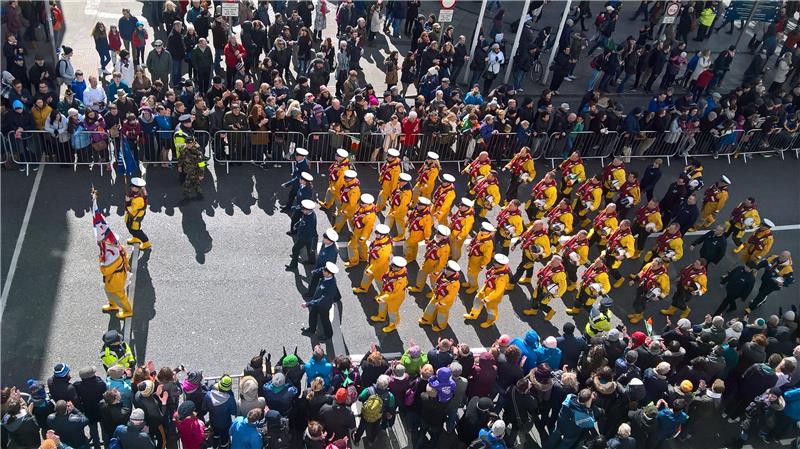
(12, 268)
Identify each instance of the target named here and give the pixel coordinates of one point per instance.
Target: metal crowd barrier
(257, 147)
(775, 141)
(589, 144)
(149, 150)
(40, 147)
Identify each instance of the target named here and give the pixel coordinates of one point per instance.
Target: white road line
(131, 291)
(20, 240)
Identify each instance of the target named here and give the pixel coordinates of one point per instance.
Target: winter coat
(643, 428)
(191, 430)
(113, 416)
(483, 376)
(59, 387)
(337, 419)
(756, 380)
(279, 397)
(471, 421)
(91, 393)
(153, 409)
(551, 356)
(70, 427)
(134, 437)
(244, 434)
(528, 346)
(248, 396)
(574, 418)
(22, 432)
(318, 368)
(571, 348)
(221, 406)
(124, 388)
(656, 386)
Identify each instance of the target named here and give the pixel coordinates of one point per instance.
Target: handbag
(754, 43)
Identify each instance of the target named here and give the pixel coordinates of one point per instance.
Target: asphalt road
(213, 290)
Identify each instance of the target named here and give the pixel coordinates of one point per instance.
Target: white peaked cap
(393, 152)
(453, 265)
(432, 155)
(502, 259)
(444, 230)
(425, 201)
(467, 202)
(308, 204)
(405, 177)
(447, 177)
(332, 235)
(350, 174)
(488, 227)
(382, 229)
(301, 151)
(307, 176)
(399, 261)
(341, 152)
(366, 198)
(331, 267)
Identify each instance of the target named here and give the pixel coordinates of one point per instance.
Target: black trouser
(313, 281)
(203, 78)
(581, 298)
(614, 272)
(538, 297)
(320, 315)
(728, 304)
(681, 298)
(761, 296)
(299, 244)
(640, 301)
(501, 244)
(292, 193)
(294, 218)
(528, 272)
(513, 188)
(572, 272)
(641, 236)
(649, 192)
(731, 232)
(137, 233)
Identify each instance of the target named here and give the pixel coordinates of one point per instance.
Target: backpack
(600, 19)
(275, 433)
(372, 411)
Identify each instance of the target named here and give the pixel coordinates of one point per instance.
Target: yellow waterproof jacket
(495, 285)
(115, 275)
(350, 194)
(597, 277)
(759, 244)
(398, 206)
(481, 248)
(505, 218)
(380, 254)
(445, 290)
(442, 202)
(426, 179)
(461, 225)
(134, 212)
(436, 256)
(364, 220)
(418, 225)
(661, 281)
(394, 288)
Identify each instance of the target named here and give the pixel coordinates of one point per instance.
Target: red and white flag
(106, 239)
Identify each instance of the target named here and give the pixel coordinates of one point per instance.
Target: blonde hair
(624, 430)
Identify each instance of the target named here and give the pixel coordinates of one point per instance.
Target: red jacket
(114, 41)
(410, 130)
(230, 58)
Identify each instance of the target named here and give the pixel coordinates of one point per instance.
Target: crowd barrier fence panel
(40, 147)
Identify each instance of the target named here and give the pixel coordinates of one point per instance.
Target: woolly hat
(341, 395)
(225, 383)
(36, 389)
(147, 388)
(638, 338)
(278, 379)
(686, 386)
(62, 370)
(185, 409)
(290, 361)
(137, 415)
(550, 342)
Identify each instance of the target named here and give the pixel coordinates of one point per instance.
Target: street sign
(445, 15)
(230, 9)
(448, 4)
(765, 10)
(671, 14)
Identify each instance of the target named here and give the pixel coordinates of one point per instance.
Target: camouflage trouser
(191, 186)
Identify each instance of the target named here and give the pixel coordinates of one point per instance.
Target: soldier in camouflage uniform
(192, 164)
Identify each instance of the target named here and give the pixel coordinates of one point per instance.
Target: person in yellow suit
(693, 281)
(551, 283)
(714, 199)
(380, 253)
(336, 179)
(443, 199)
(543, 197)
(478, 168)
(490, 295)
(669, 245)
(392, 295)
(522, 171)
(759, 244)
(613, 178)
(572, 173)
(647, 221)
(363, 222)
(114, 266)
(348, 199)
(575, 250)
(418, 227)
(653, 285)
(461, 222)
(559, 221)
(620, 246)
(426, 176)
(587, 199)
(487, 193)
(743, 218)
(509, 226)
(479, 254)
(398, 206)
(594, 284)
(629, 196)
(135, 209)
(603, 225)
(388, 176)
(445, 291)
(535, 245)
(437, 252)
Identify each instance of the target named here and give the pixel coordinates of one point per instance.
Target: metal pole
(465, 78)
(745, 24)
(555, 45)
(516, 40)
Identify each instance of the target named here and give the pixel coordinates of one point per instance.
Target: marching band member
(714, 200)
(613, 178)
(572, 173)
(587, 199)
(363, 222)
(543, 197)
(418, 227)
(426, 176)
(388, 177)
(336, 179)
(380, 253)
(478, 168)
(604, 224)
(392, 295)
(693, 281)
(535, 245)
(398, 206)
(619, 248)
(551, 283)
(559, 221)
(479, 254)
(647, 221)
(669, 245)
(349, 195)
(445, 291)
(759, 244)
(490, 295)
(437, 252)
(743, 218)
(522, 171)
(594, 284)
(629, 195)
(653, 286)
(487, 193)
(509, 226)
(574, 249)
(443, 199)
(461, 222)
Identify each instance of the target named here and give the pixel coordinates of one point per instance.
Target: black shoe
(309, 262)
(306, 331)
(291, 267)
(289, 233)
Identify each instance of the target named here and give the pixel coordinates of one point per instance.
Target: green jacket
(159, 63)
(202, 60)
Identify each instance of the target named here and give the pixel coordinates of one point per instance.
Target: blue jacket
(574, 418)
(221, 407)
(303, 193)
(244, 435)
(77, 88)
(792, 408)
(279, 398)
(111, 90)
(124, 388)
(528, 346)
(490, 441)
(650, 177)
(326, 254)
(668, 423)
(632, 124)
(571, 348)
(322, 367)
(551, 356)
(297, 169)
(306, 228)
(127, 27)
(326, 294)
